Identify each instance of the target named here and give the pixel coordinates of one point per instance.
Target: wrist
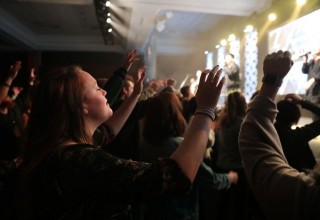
(272, 79)
(207, 111)
(269, 91)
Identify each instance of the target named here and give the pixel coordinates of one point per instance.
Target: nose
(104, 92)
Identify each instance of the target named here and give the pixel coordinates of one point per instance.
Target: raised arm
(115, 83)
(282, 191)
(306, 104)
(5, 86)
(190, 153)
(120, 116)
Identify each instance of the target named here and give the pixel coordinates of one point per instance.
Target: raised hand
(294, 98)
(138, 86)
(14, 69)
(278, 63)
(16, 90)
(209, 88)
(131, 57)
(305, 58)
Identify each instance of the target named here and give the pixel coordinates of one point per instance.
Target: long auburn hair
(235, 106)
(56, 116)
(163, 118)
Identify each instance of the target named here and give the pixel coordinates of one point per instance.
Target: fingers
(212, 73)
(204, 76)
(142, 69)
(287, 54)
(217, 77)
(143, 75)
(212, 76)
(221, 83)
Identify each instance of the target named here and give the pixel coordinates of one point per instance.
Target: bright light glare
(108, 20)
(232, 37)
(301, 2)
(206, 52)
(272, 16)
(110, 30)
(249, 28)
(223, 42)
(108, 3)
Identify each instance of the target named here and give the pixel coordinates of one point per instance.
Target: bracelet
(5, 84)
(206, 111)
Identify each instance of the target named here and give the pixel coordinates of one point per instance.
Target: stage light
(249, 28)
(223, 42)
(272, 16)
(301, 2)
(103, 14)
(232, 37)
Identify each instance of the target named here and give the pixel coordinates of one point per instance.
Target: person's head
(68, 106)
(127, 88)
(163, 118)
(171, 82)
(186, 92)
(235, 106)
(289, 113)
(229, 57)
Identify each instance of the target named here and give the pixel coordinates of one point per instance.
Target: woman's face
(96, 107)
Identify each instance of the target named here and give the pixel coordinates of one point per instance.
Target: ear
(124, 90)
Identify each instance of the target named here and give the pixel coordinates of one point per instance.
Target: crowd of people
(74, 147)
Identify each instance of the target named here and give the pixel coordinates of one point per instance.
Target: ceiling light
(248, 28)
(272, 16)
(108, 20)
(108, 14)
(223, 42)
(108, 3)
(110, 30)
(232, 37)
(301, 2)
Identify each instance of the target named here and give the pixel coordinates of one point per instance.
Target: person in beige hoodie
(282, 191)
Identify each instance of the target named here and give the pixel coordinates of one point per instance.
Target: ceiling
(71, 25)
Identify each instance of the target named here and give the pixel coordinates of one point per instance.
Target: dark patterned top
(85, 182)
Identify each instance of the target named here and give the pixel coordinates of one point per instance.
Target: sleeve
(310, 106)
(218, 181)
(283, 192)
(114, 85)
(306, 67)
(106, 178)
(103, 135)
